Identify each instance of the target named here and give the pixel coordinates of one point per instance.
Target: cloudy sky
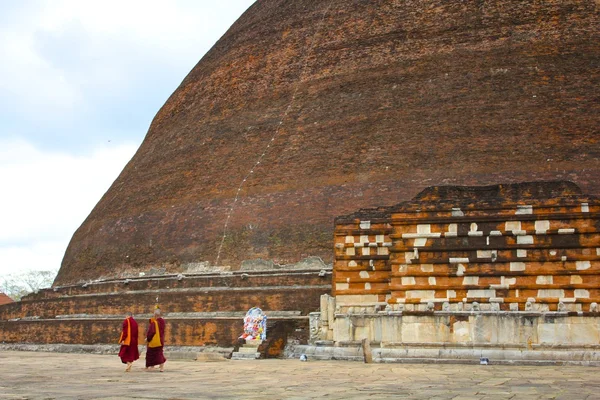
(80, 82)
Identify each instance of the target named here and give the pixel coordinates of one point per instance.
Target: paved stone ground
(34, 375)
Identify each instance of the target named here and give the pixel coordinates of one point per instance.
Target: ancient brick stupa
(305, 110)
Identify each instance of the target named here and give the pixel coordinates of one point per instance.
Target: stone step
(245, 356)
(187, 315)
(251, 349)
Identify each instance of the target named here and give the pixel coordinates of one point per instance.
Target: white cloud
(46, 196)
(74, 74)
(59, 57)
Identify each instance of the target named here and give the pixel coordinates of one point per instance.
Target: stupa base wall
(215, 335)
(501, 337)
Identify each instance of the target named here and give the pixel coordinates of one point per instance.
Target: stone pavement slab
(37, 375)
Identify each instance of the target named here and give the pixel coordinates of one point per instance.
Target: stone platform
(27, 375)
(200, 310)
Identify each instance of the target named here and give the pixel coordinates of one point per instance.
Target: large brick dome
(305, 110)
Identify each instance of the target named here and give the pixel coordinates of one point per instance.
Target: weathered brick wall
(541, 255)
(303, 299)
(394, 96)
(91, 313)
(249, 279)
(361, 265)
(221, 332)
(505, 249)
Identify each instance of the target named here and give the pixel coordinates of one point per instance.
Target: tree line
(20, 284)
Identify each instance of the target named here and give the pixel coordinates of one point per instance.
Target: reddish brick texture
(4, 299)
(209, 332)
(200, 310)
(520, 247)
(305, 110)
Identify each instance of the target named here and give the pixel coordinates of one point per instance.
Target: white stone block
(544, 280)
(495, 233)
(341, 286)
(379, 238)
(453, 228)
(512, 226)
(421, 235)
(582, 293)
(499, 286)
(471, 280)
(348, 299)
(349, 239)
(432, 280)
(484, 254)
(582, 265)
(457, 212)
(364, 238)
(508, 281)
(474, 293)
(408, 280)
(566, 231)
(367, 286)
(451, 234)
(519, 233)
(517, 266)
(424, 228)
(352, 263)
(451, 294)
(550, 293)
(542, 225)
(527, 239)
(521, 253)
(524, 210)
(456, 260)
(366, 251)
(461, 270)
(427, 267)
(473, 227)
(364, 274)
(350, 251)
(475, 233)
(365, 224)
(420, 294)
(576, 279)
(585, 207)
(420, 242)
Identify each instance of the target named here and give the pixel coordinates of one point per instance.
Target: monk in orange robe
(156, 341)
(129, 342)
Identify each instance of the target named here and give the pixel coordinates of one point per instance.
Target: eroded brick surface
(390, 97)
(522, 247)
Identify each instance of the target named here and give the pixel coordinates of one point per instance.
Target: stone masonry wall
(473, 251)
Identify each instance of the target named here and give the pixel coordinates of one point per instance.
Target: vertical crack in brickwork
(277, 130)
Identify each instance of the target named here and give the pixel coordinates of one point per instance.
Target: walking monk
(156, 341)
(129, 341)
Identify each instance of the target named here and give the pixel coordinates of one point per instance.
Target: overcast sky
(80, 82)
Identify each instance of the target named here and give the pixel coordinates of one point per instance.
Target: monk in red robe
(129, 342)
(156, 341)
